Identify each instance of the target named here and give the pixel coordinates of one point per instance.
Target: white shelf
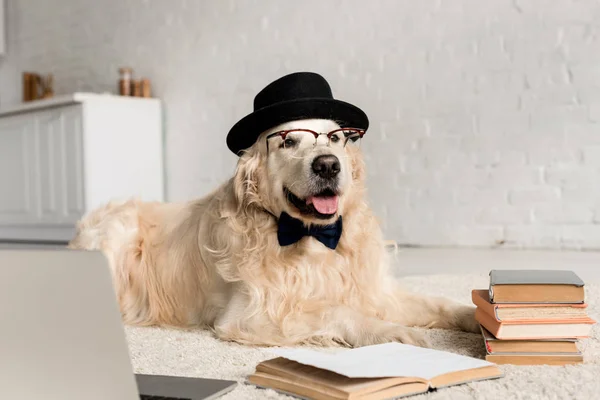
(74, 98)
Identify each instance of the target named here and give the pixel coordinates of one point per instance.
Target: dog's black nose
(326, 166)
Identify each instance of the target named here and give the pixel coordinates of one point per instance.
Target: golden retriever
(216, 262)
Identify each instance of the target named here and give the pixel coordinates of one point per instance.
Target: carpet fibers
(199, 354)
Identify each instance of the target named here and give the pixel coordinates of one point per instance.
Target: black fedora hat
(300, 95)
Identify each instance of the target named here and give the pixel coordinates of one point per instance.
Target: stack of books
(533, 317)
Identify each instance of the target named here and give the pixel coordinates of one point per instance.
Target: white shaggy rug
(197, 353)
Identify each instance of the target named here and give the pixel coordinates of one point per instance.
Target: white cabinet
(60, 168)
(40, 167)
(61, 157)
(17, 175)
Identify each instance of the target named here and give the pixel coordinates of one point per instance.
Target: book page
(384, 360)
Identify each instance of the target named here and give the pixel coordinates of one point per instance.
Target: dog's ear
(246, 181)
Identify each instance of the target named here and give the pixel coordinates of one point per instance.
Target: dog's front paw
(465, 319)
(388, 333)
(411, 336)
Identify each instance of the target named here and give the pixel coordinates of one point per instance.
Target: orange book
(528, 311)
(531, 352)
(534, 359)
(535, 329)
(537, 347)
(535, 286)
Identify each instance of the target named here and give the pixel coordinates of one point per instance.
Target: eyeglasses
(300, 137)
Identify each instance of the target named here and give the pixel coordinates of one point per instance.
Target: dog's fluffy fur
(216, 262)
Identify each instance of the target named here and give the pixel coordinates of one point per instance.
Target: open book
(384, 371)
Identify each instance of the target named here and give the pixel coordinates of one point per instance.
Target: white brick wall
(485, 114)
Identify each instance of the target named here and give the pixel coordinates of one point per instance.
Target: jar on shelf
(125, 81)
(146, 88)
(136, 88)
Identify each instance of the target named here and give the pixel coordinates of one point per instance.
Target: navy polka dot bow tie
(291, 230)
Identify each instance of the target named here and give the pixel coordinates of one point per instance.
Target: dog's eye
(334, 138)
(289, 142)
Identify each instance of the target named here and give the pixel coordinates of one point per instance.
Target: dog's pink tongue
(324, 205)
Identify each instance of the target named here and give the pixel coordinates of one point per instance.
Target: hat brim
(246, 131)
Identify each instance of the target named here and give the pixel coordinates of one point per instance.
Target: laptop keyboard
(147, 397)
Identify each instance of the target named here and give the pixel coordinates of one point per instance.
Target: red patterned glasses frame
(347, 134)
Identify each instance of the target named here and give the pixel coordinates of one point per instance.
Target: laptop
(62, 338)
